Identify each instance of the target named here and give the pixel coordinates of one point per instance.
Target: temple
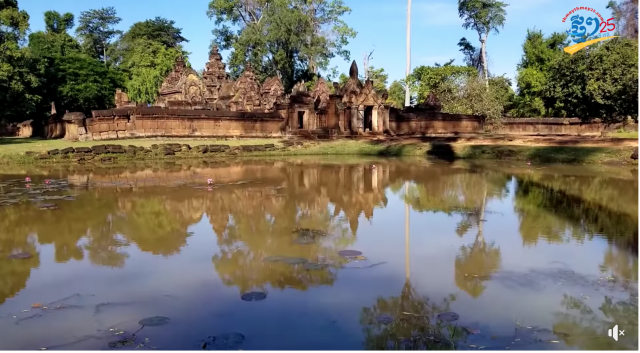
(355, 108)
(190, 104)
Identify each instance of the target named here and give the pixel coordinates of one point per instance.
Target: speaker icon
(614, 332)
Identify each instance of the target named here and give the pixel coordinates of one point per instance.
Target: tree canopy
(77, 63)
(484, 17)
(287, 38)
(95, 31)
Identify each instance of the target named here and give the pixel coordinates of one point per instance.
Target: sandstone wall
(9, 130)
(419, 121)
(551, 126)
(153, 121)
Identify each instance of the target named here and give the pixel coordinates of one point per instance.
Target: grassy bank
(13, 151)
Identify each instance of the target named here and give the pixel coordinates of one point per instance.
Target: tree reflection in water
(581, 327)
(254, 220)
(408, 322)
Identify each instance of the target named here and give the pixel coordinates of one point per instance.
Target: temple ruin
(353, 109)
(212, 104)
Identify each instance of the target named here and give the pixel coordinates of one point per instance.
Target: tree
(426, 79)
(81, 83)
(18, 70)
(159, 30)
(147, 63)
(96, 31)
(472, 55)
(280, 37)
(500, 87)
(625, 13)
(379, 78)
(397, 94)
(599, 83)
(484, 17)
(54, 40)
(539, 54)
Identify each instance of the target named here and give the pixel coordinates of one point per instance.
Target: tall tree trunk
(104, 53)
(407, 94)
(483, 52)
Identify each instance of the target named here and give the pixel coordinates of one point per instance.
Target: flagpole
(407, 263)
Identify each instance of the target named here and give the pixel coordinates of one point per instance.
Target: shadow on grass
(448, 152)
(17, 140)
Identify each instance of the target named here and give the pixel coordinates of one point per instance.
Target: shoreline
(578, 152)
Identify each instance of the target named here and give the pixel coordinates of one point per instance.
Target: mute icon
(614, 332)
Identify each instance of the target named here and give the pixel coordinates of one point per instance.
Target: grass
(622, 134)
(12, 150)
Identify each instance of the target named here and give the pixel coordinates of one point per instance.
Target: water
(529, 257)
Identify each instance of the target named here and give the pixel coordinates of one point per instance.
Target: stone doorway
(301, 119)
(368, 118)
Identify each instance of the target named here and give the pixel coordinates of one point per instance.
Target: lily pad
(154, 321)
(314, 266)
(349, 253)
(448, 317)
(20, 255)
(225, 341)
(294, 260)
(253, 296)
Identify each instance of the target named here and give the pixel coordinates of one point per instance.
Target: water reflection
(258, 210)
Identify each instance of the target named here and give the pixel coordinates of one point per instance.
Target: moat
(309, 253)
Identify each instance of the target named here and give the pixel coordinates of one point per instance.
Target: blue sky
(381, 25)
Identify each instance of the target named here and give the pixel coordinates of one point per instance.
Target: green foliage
(396, 94)
(534, 71)
(147, 63)
(379, 78)
(500, 87)
(281, 37)
(96, 31)
(54, 40)
(18, 79)
(425, 79)
(469, 95)
(484, 17)
(600, 81)
(159, 30)
(81, 83)
(472, 55)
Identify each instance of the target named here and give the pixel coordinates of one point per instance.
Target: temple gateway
(353, 109)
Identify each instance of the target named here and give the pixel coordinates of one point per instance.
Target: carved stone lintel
(321, 95)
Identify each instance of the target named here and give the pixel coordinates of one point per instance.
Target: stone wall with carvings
(155, 122)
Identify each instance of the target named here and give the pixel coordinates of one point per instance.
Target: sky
(381, 26)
